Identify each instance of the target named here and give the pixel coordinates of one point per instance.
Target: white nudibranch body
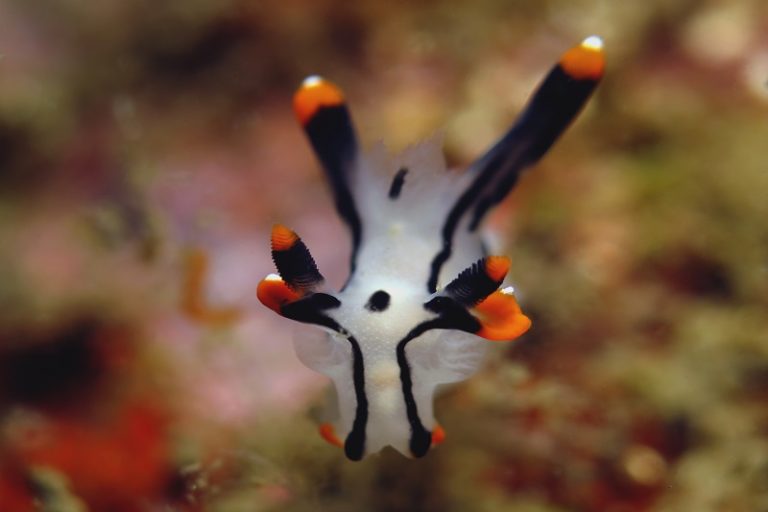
(422, 297)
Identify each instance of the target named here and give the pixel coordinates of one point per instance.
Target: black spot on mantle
(397, 183)
(379, 301)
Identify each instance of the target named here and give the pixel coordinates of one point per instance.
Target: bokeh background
(147, 147)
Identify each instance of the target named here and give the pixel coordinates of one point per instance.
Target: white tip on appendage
(593, 43)
(509, 290)
(273, 277)
(312, 80)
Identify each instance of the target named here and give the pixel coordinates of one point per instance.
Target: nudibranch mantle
(422, 297)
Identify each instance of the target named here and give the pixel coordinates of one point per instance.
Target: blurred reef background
(146, 148)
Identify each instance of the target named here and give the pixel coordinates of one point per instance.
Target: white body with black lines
(422, 297)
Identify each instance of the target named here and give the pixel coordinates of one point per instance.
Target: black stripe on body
(397, 183)
(309, 310)
(332, 135)
(449, 228)
(354, 445)
(421, 438)
(297, 267)
(452, 316)
(548, 113)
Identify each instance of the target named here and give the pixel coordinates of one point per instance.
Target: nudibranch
(422, 296)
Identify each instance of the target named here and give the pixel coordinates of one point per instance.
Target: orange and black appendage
(321, 109)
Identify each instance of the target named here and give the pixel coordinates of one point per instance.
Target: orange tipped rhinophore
(283, 238)
(315, 92)
(497, 267)
(585, 61)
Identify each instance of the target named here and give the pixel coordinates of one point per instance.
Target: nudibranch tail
(322, 111)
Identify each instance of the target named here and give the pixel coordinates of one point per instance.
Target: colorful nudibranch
(422, 295)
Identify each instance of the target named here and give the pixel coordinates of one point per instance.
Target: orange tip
(438, 435)
(274, 293)
(585, 61)
(497, 267)
(315, 93)
(283, 238)
(328, 433)
(501, 317)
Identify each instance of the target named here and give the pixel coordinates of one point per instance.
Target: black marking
(550, 110)
(309, 310)
(354, 445)
(463, 204)
(297, 267)
(449, 228)
(332, 135)
(452, 315)
(472, 285)
(397, 183)
(421, 438)
(379, 301)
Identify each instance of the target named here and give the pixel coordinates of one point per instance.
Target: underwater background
(146, 149)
